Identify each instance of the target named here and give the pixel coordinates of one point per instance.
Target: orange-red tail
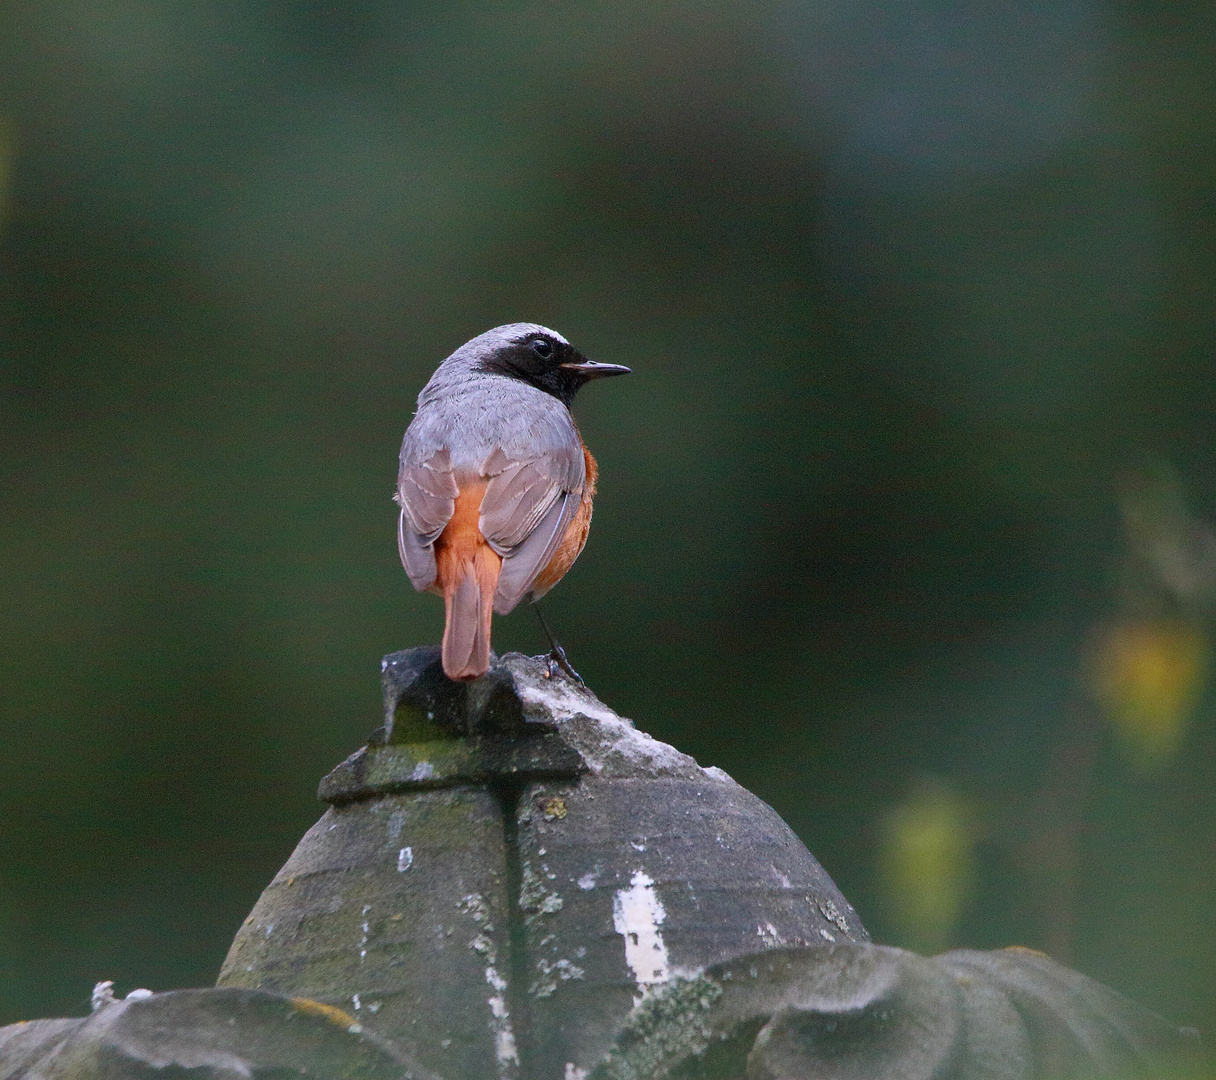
(468, 571)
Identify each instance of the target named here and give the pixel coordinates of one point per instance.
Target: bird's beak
(589, 369)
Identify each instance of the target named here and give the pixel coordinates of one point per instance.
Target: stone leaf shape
(216, 1034)
(869, 1012)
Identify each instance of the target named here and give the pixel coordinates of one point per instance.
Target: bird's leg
(557, 655)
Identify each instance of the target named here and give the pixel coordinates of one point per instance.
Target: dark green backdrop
(902, 284)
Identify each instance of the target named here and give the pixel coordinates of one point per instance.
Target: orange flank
(576, 534)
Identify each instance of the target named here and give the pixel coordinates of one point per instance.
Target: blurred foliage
(1148, 677)
(926, 863)
(1150, 661)
(901, 285)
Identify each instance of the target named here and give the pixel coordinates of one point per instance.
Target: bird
(495, 483)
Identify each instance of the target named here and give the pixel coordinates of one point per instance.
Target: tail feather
(468, 598)
(467, 570)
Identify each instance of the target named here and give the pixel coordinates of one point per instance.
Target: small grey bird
(495, 486)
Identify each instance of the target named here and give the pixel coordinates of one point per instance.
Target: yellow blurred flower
(926, 864)
(1147, 676)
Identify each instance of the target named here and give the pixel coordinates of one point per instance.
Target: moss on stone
(664, 1029)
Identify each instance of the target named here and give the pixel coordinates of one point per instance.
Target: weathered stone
(396, 909)
(859, 1011)
(1073, 1025)
(561, 865)
(22, 1044)
(215, 1034)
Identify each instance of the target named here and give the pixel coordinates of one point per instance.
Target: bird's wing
(527, 507)
(426, 493)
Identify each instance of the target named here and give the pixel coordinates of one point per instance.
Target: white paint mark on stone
(405, 859)
(505, 1052)
(500, 1024)
(587, 882)
(637, 914)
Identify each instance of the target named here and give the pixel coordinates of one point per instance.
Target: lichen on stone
(666, 1027)
(550, 974)
(535, 899)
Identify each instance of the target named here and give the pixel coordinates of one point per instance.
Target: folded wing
(528, 506)
(426, 493)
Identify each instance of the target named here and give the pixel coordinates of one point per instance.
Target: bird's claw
(556, 661)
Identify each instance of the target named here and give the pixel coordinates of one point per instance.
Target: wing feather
(417, 555)
(514, 503)
(521, 567)
(527, 507)
(525, 512)
(426, 493)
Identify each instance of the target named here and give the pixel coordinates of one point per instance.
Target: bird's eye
(542, 347)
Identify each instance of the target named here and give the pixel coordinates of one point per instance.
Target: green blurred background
(918, 296)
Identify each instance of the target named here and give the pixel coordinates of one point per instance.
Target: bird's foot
(556, 660)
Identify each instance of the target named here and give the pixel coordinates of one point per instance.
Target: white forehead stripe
(516, 331)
